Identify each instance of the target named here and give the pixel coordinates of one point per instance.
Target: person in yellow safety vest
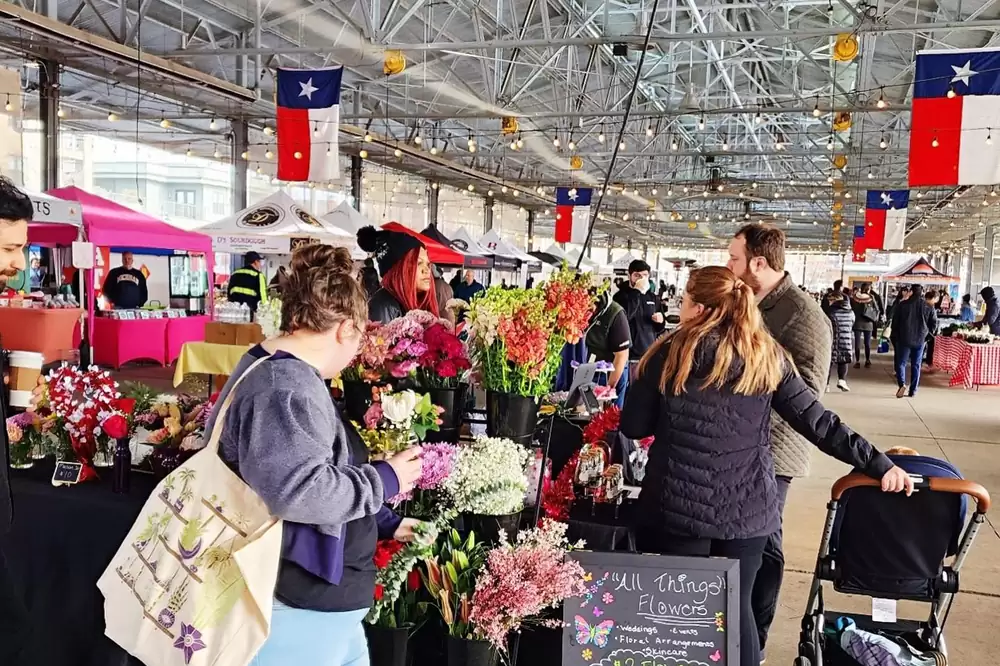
(248, 284)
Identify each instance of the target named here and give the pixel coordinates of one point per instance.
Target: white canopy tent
(268, 227)
(494, 243)
(347, 219)
(620, 265)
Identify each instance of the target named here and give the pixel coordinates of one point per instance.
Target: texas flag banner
(955, 122)
(308, 123)
(572, 214)
(885, 219)
(859, 245)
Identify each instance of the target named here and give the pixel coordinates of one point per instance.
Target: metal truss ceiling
(735, 102)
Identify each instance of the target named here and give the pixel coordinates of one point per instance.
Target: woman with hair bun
(407, 283)
(706, 391)
(287, 441)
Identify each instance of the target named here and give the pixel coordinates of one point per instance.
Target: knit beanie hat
(387, 247)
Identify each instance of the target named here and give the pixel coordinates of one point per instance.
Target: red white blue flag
(859, 245)
(308, 123)
(572, 214)
(885, 219)
(955, 122)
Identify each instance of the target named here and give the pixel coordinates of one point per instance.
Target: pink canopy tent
(106, 223)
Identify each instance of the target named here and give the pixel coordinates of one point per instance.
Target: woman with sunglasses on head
(706, 391)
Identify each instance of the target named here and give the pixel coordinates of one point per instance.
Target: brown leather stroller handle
(937, 484)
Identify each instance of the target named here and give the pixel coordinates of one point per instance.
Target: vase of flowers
(437, 460)
(387, 646)
(442, 370)
(516, 339)
(366, 375)
(21, 440)
(359, 396)
(452, 403)
(471, 652)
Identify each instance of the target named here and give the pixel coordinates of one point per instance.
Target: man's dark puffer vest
(710, 473)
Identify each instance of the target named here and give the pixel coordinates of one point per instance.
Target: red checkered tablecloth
(970, 365)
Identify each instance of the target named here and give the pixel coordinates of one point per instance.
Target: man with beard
(16, 211)
(643, 310)
(757, 256)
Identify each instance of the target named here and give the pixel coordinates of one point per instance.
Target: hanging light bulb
(418, 140)
(649, 130)
(871, 174)
(188, 152)
(363, 154)
(600, 137)
(245, 155)
(329, 150)
(670, 192)
(935, 143)
(621, 146)
(701, 122)
(758, 118)
(920, 195)
(989, 137)
(816, 111)
(636, 191)
(215, 153)
(778, 145)
(951, 92)
(213, 125)
(315, 129)
(471, 188)
(259, 171)
(653, 191)
(8, 106)
(883, 144)
(829, 143)
(555, 142)
(520, 143)
(725, 144)
(504, 189)
(368, 137)
(513, 144)
(673, 145)
(754, 184)
(434, 150)
(881, 103)
(164, 123)
(571, 145)
(268, 130)
(398, 153)
(60, 113)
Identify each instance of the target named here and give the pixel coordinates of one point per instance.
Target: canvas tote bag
(193, 583)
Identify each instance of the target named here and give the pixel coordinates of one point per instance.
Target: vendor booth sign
(239, 244)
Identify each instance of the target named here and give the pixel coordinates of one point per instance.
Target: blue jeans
(912, 356)
(311, 638)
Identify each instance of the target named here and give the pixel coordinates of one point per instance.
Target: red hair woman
(406, 274)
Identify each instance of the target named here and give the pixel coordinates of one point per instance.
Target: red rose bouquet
(397, 579)
(445, 362)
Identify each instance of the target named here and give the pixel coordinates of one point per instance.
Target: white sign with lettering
(237, 244)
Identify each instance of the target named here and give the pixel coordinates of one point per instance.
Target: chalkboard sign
(653, 610)
(66, 473)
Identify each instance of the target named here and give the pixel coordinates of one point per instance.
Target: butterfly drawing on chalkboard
(715, 657)
(597, 634)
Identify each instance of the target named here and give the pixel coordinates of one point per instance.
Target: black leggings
(842, 370)
(858, 335)
(747, 551)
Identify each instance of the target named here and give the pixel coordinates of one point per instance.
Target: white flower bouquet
(488, 477)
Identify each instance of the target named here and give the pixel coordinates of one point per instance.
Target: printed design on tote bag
(190, 542)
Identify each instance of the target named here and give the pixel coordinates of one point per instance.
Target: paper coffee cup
(25, 368)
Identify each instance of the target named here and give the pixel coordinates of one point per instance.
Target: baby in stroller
(889, 546)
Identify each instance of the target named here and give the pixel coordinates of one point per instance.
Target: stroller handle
(937, 484)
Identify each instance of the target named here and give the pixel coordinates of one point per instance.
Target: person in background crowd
(867, 314)
(369, 278)
(709, 488)
(125, 286)
(967, 314)
(37, 273)
(609, 340)
(945, 303)
(469, 287)
(16, 211)
(443, 293)
(991, 319)
(901, 295)
(912, 320)
(248, 285)
(278, 281)
(841, 316)
(757, 256)
(933, 299)
(407, 283)
(313, 471)
(643, 310)
(530, 283)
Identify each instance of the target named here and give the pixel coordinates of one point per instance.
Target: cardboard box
(244, 335)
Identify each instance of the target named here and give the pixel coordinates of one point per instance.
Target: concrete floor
(950, 423)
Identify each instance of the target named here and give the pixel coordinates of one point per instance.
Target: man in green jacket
(757, 256)
(248, 284)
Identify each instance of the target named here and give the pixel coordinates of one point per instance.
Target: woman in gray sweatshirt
(285, 438)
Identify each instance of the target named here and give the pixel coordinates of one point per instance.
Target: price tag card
(66, 473)
(883, 610)
(83, 255)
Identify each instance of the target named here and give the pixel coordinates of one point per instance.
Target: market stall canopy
(918, 271)
(346, 218)
(269, 226)
(439, 254)
(620, 265)
(108, 224)
(473, 259)
(587, 263)
(55, 221)
(501, 249)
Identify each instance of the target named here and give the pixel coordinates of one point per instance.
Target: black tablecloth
(62, 540)
(600, 527)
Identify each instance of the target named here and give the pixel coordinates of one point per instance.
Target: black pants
(772, 571)
(842, 370)
(13, 618)
(929, 353)
(747, 551)
(858, 337)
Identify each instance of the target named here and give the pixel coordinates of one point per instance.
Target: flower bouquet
(442, 370)
(25, 439)
(449, 575)
(523, 579)
(436, 464)
(397, 421)
(366, 372)
(488, 484)
(173, 426)
(516, 339)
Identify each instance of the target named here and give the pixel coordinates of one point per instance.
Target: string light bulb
(778, 145)
(188, 152)
(363, 154)
(315, 129)
(268, 130)
(725, 144)
(951, 92)
(649, 130)
(571, 145)
(418, 140)
(621, 146)
(883, 144)
(935, 143)
(871, 174)
(673, 145)
(60, 113)
(653, 191)
(829, 143)
(816, 111)
(881, 103)
(758, 118)
(112, 116)
(8, 106)
(434, 150)
(989, 137)
(520, 143)
(555, 142)
(215, 153)
(164, 123)
(398, 153)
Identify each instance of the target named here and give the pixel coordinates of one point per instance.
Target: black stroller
(889, 546)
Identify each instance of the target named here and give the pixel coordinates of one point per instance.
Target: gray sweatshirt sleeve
(293, 452)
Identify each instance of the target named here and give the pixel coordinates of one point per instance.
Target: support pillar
(531, 230)
(970, 252)
(48, 112)
(488, 213)
(357, 173)
(432, 205)
(611, 244)
(986, 277)
(240, 147)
